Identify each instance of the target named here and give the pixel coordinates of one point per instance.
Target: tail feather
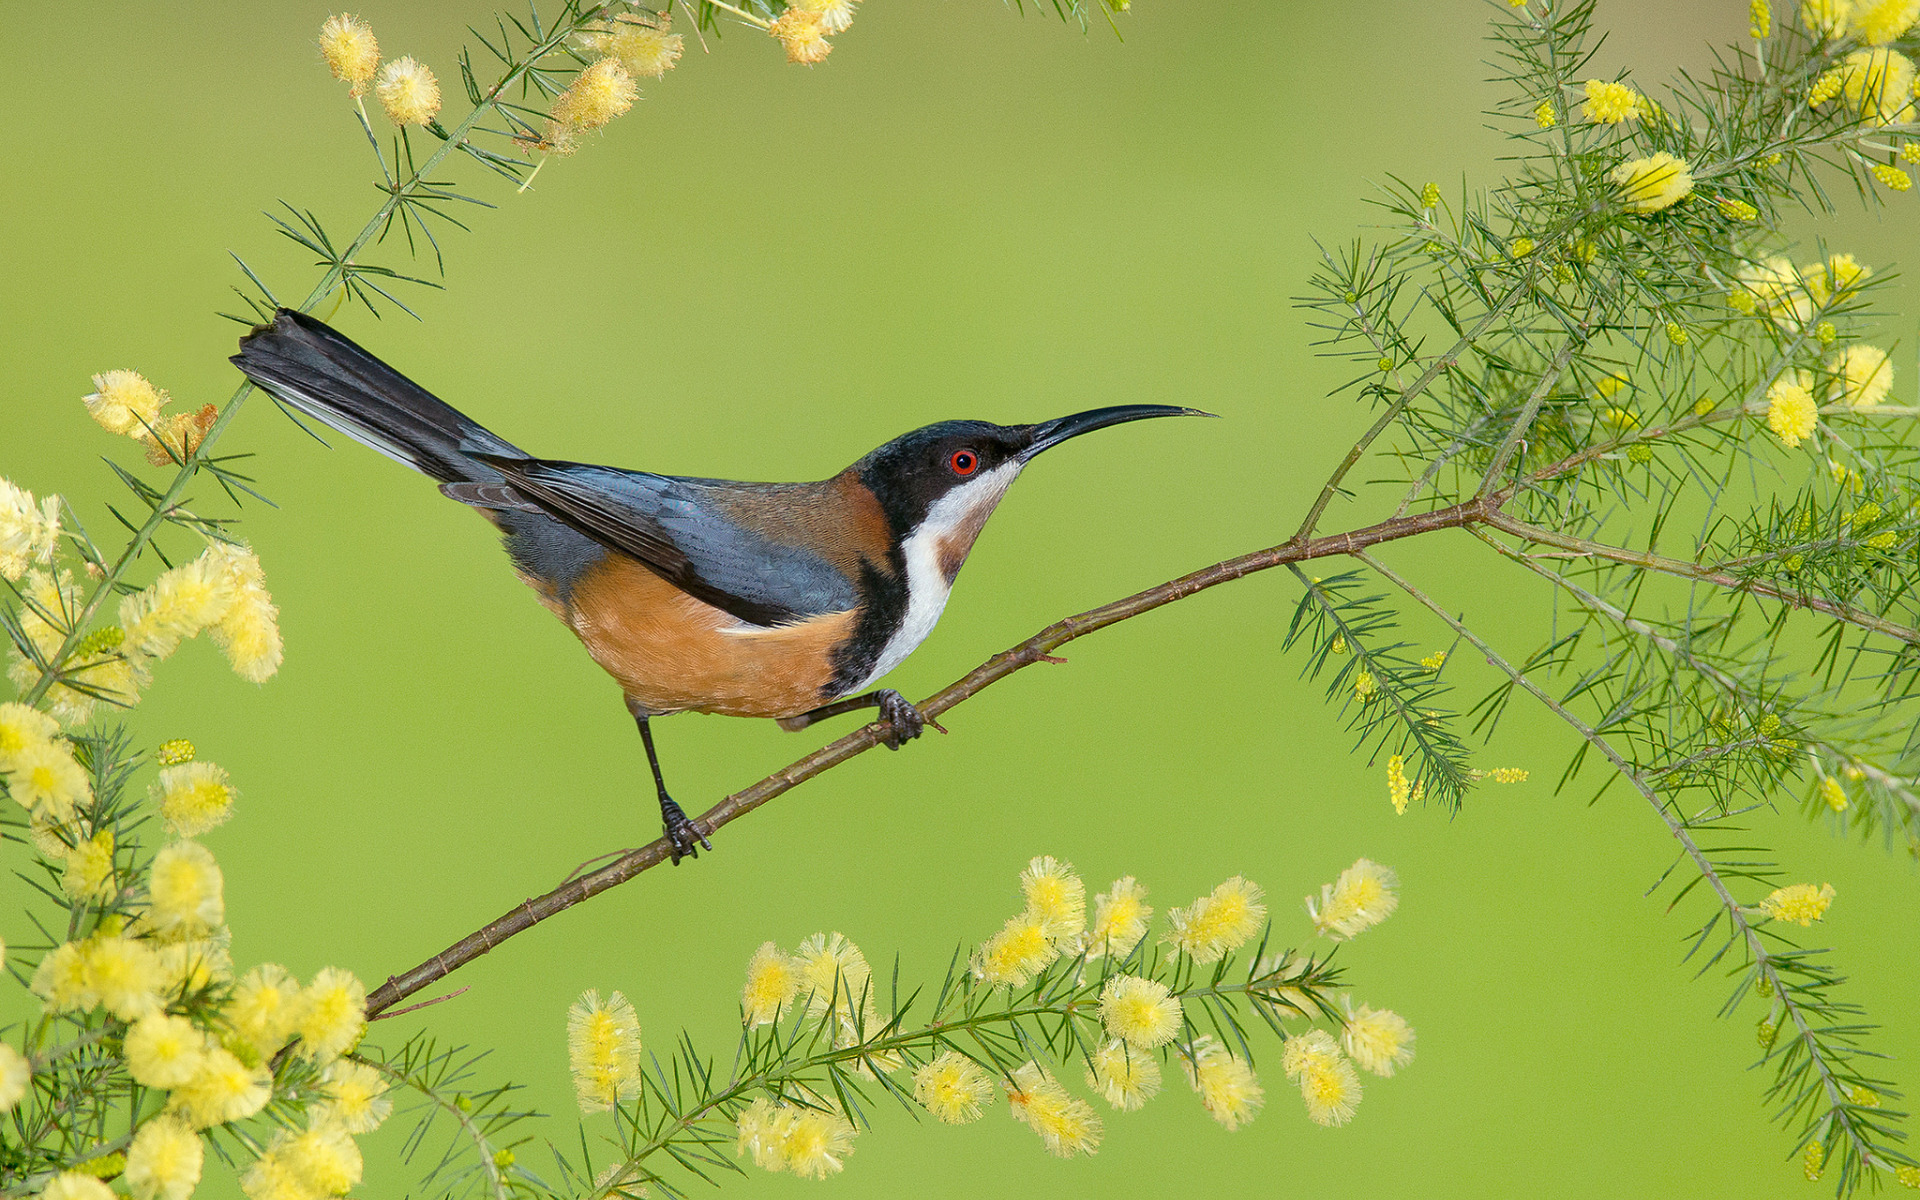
(319, 371)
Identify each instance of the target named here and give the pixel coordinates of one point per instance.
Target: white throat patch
(927, 584)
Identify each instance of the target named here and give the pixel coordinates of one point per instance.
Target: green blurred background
(761, 273)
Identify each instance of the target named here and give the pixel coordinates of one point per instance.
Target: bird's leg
(682, 833)
(900, 722)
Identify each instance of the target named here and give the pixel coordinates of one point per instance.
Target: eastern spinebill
(700, 595)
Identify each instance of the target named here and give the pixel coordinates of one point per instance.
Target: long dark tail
(308, 365)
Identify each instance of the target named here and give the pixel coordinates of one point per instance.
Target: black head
(977, 459)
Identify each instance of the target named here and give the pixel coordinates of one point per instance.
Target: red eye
(964, 462)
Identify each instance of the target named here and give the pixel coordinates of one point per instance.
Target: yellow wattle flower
(1362, 897)
(1653, 184)
(351, 51)
(773, 980)
(408, 91)
(164, 1161)
(1124, 1076)
(164, 1051)
(1791, 412)
(333, 1015)
(1379, 1040)
(1017, 953)
(1224, 1082)
(1067, 1125)
(953, 1088)
(29, 530)
(193, 797)
(1120, 916)
(124, 402)
(16, 1074)
(1219, 922)
(802, 34)
(603, 1050)
(1055, 894)
(1144, 1013)
(1612, 103)
(185, 890)
(264, 1008)
(355, 1098)
(1801, 903)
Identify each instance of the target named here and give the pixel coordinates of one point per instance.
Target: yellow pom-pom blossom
(180, 604)
(953, 1088)
(1826, 18)
(1140, 1012)
(599, 93)
(645, 52)
(43, 777)
(773, 980)
(1224, 1082)
(1067, 1125)
(1862, 375)
(1361, 898)
(1650, 185)
(781, 1137)
(184, 890)
(833, 972)
(194, 964)
(1878, 85)
(1120, 916)
(1892, 177)
(1878, 22)
(21, 727)
(124, 402)
(351, 51)
(53, 607)
(603, 1050)
(29, 529)
(88, 875)
(333, 1015)
(1218, 922)
(16, 1073)
(1306, 1049)
(1799, 902)
(124, 974)
(193, 797)
(817, 1143)
(1124, 1076)
(1017, 953)
(264, 1008)
(1055, 894)
(1331, 1091)
(323, 1157)
(72, 1185)
(1791, 412)
(62, 981)
(164, 1051)
(408, 91)
(760, 1133)
(835, 15)
(354, 1098)
(1612, 103)
(225, 1089)
(802, 34)
(1379, 1040)
(249, 632)
(164, 1161)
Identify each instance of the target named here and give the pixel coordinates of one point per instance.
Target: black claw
(900, 721)
(682, 834)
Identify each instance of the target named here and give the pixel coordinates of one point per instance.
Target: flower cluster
(150, 973)
(29, 530)
(603, 1048)
(124, 402)
(802, 30)
(406, 89)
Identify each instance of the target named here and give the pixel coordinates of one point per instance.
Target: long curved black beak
(1051, 433)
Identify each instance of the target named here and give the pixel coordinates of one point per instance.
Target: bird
(781, 600)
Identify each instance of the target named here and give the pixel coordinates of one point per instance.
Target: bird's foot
(900, 722)
(682, 834)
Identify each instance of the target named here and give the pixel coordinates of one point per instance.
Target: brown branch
(1035, 649)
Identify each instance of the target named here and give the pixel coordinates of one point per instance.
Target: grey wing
(673, 526)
